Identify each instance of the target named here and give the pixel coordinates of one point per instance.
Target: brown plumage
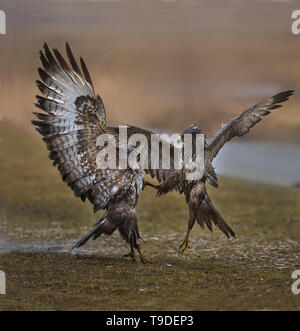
(72, 120)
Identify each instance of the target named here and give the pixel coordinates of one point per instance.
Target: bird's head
(192, 129)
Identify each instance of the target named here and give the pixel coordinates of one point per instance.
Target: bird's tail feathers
(208, 214)
(102, 226)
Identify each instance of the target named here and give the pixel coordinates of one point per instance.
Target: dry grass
(40, 219)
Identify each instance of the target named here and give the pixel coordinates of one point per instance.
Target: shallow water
(54, 246)
(32, 247)
(275, 163)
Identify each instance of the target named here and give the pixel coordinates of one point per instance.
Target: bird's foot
(130, 254)
(184, 245)
(143, 260)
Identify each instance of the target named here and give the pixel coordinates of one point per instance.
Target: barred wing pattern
(170, 178)
(242, 123)
(74, 119)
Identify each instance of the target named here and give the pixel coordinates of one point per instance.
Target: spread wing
(74, 118)
(242, 123)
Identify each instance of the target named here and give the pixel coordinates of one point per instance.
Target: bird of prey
(73, 119)
(199, 203)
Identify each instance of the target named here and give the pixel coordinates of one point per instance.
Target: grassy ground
(40, 219)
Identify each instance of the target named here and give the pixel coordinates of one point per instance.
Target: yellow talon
(185, 244)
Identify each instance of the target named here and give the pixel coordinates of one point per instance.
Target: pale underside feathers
(74, 119)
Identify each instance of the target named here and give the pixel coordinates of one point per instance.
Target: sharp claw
(185, 244)
(143, 260)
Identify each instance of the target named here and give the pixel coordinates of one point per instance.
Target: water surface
(276, 163)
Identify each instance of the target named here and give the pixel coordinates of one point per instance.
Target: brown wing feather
(160, 174)
(70, 127)
(72, 60)
(241, 124)
(86, 72)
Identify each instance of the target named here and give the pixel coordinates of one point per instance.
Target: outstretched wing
(73, 121)
(242, 123)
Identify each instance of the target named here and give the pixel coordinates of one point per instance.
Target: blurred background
(165, 64)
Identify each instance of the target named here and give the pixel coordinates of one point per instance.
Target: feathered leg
(128, 229)
(120, 216)
(185, 243)
(195, 199)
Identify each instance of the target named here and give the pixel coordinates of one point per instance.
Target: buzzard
(200, 205)
(73, 119)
